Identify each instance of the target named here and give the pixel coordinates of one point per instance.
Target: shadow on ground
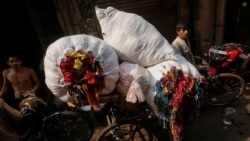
(229, 123)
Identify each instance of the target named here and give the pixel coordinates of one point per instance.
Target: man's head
(14, 61)
(182, 30)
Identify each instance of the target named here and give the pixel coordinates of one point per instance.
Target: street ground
(230, 123)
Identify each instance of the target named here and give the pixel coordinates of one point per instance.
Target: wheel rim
(225, 89)
(126, 132)
(66, 127)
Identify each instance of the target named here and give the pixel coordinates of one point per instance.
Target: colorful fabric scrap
(80, 68)
(171, 91)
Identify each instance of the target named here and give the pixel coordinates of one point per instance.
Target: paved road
(230, 123)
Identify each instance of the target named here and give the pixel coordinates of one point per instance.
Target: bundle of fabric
(173, 84)
(31, 103)
(171, 90)
(81, 59)
(157, 72)
(133, 82)
(133, 38)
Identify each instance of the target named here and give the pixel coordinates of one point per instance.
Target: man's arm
(36, 81)
(5, 87)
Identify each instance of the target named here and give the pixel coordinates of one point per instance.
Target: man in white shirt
(181, 42)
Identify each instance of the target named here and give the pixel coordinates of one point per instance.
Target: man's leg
(10, 111)
(7, 132)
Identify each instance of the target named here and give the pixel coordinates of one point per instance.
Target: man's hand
(28, 93)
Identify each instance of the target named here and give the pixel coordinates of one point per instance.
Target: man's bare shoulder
(6, 71)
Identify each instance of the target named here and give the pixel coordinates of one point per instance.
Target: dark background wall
(237, 23)
(17, 33)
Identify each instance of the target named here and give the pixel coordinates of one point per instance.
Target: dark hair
(181, 25)
(13, 54)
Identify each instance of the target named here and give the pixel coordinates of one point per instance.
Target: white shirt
(183, 48)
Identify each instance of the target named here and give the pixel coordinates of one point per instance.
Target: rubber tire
(227, 79)
(79, 127)
(139, 132)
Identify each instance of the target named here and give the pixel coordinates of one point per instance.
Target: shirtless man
(23, 80)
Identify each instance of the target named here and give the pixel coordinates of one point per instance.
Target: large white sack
(157, 72)
(102, 52)
(181, 63)
(133, 81)
(133, 38)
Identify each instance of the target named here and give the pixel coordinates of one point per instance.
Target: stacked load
(171, 76)
(149, 68)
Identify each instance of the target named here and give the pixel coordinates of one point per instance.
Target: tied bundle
(31, 103)
(80, 68)
(171, 91)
